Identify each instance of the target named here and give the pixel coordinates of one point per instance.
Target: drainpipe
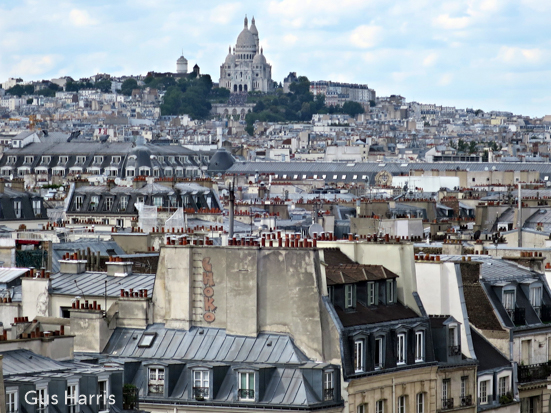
(519, 217)
(232, 202)
(393, 396)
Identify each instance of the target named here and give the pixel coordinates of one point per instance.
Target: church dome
(253, 28)
(182, 59)
(245, 40)
(230, 59)
(259, 59)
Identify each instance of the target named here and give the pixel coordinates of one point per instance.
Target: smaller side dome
(259, 59)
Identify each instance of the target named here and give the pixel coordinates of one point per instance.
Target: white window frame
(380, 406)
(109, 203)
(419, 346)
(155, 377)
(402, 404)
(17, 208)
(41, 400)
(390, 292)
(12, 400)
(503, 385)
(379, 341)
(445, 389)
(536, 294)
(158, 201)
(362, 408)
(124, 202)
(202, 377)
(420, 403)
(484, 391)
(508, 304)
(371, 293)
(349, 295)
(328, 385)
(401, 351)
(72, 397)
(248, 375)
(359, 365)
(37, 206)
(464, 385)
(104, 395)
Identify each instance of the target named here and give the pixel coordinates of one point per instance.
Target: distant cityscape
(174, 244)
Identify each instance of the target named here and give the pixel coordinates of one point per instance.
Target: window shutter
(388, 295)
(354, 296)
(376, 285)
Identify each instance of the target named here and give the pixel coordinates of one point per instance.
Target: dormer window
(156, 381)
(29, 159)
(419, 346)
(78, 202)
(535, 296)
(401, 349)
(379, 353)
(372, 293)
(116, 159)
(453, 340)
(63, 160)
(46, 160)
(98, 159)
(246, 386)
(390, 298)
(12, 160)
(509, 299)
(81, 159)
(124, 203)
(201, 384)
(349, 296)
(328, 387)
(359, 356)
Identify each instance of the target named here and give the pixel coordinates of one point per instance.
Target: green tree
(249, 129)
(472, 147)
(128, 85)
(352, 108)
(104, 85)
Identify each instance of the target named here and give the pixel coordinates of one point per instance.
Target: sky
(480, 54)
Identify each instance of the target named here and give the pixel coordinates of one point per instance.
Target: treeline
(297, 106)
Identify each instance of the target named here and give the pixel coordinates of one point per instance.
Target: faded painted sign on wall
(208, 291)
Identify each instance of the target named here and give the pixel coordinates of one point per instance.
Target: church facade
(246, 69)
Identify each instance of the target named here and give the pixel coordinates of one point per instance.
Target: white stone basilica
(246, 68)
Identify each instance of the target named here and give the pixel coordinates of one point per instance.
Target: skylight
(147, 339)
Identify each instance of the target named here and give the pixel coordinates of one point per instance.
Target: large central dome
(246, 40)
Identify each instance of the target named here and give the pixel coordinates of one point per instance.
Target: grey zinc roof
(104, 247)
(206, 345)
(9, 274)
(496, 269)
(26, 362)
(93, 283)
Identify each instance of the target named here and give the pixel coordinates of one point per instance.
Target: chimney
(139, 182)
(70, 264)
(119, 268)
(18, 184)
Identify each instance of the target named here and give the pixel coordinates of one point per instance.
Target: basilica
(246, 68)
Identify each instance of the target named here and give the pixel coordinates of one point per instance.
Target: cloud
(81, 18)
(431, 59)
(366, 37)
(33, 66)
(290, 39)
(224, 13)
(517, 55)
(444, 21)
(445, 79)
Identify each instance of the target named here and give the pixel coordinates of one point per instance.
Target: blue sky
(488, 54)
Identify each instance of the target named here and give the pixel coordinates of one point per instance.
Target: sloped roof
(204, 344)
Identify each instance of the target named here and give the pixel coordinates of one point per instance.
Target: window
(389, 291)
(420, 403)
(419, 346)
(124, 203)
(46, 160)
(535, 296)
(371, 294)
(362, 408)
(116, 159)
(41, 400)
(11, 160)
(380, 406)
(78, 202)
(141, 199)
(379, 353)
(464, 386)
(72, 398)
(98, 159)
(17, 208)
(246, 386)
(108, 203)
(29, 159)
(509, 300)
(103, 393)
(81, 159)
(12, 401)
(483, 392)
(503, 385)
(402, 404)
(156, 383)
(445, 392)
(63, 160)
(359, 356)
(201, 384)
(37, 207)
(94, 201)
(401, 350)
(350, 296)
(328, 389)
(158, 201)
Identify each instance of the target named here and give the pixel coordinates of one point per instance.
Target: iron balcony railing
(156, 389)
(534, 372)
(328, 394)
(201, 393)
(467, 400)
(455, 350)
(447, 404)
(246, 394)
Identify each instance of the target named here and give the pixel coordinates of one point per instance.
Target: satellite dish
(117, 181)
(315, 229)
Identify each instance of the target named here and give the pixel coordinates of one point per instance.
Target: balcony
(246, 394)
(455, 350)
(328, 394)
(466, 401)
(447, 404)
(201, 393)
(534, 372)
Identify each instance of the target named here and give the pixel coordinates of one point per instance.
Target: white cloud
(430, 59)
(444, 21)
(366, 36)
(445, 79)
(517, 55)
(224, 13)
(81, 18)
(290, 39)
(34, 66)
